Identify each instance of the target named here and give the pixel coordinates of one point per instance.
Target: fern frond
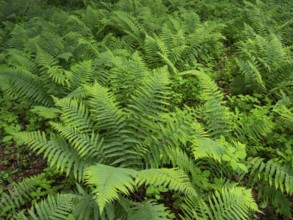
(216, 114)
(87, 145)
(108, 182)
(208, 148)
(173, 179)
(128, 24)
(23, 84)
(111, 123)
(272, 173)
(75, 114)
(45, 60)
(57, 152)
(229, 203)
(147, 210)
(54, 207)
(255, 126)
(19, 59)
(251, 73)
(218, 117)
(175, 131)
(20, 193)
(148, 102)
(80, 74)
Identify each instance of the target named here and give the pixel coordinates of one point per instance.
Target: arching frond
(207, 148)
(56, 150)
(108, 182)
(20, 193)
(23, 84)
(54, 207)
(233, 203)
(173, 179)
(148, 102)
(148, 210)
(271, 172)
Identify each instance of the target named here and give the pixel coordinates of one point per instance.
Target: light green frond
(57, 152)
(256, 125)
(23, 84)
(80, 74)
(54, 207)
(227, 204)
(176, 131)
(216, 114)
(20, 193)
(108, 182)
(47, 113)
(149, 101)
(87, 145)
(271, 172)
(173, 179)
(75, 114)
(147, 210)
(111, 123)
(208, 148)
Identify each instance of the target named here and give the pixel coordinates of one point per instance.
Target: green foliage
(147, 109)
(233, 203)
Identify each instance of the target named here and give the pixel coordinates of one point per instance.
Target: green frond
(53, 207)
(47, 113)
(216, 114)
(23, 84)
(229, 203)
(19, 59)
(86, 208)
(126, 76)
(80, 74)
(147, 210)
(256, 125)
(251, 73)
(149, 101)
(175, 131)
(78, 25)
(87, 145)
(208, 148)
(286, 114)
(128, 24)
(45, 60)
(75, 114)
(20, 193)
(108, 182)
(56, 150)
(111, 123)
(173, 179)
(272, 173)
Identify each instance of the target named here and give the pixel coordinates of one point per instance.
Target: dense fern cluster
(150, 100)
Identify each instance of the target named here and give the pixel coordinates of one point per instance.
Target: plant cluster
(149, 109)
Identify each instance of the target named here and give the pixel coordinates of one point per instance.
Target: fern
(57, 207)
(19, 194)
(218, 117)
(274, 174)
(108, 181)
(148, 210)
(24, 84)
(57, 151)
(233, 203)
(174, 179)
